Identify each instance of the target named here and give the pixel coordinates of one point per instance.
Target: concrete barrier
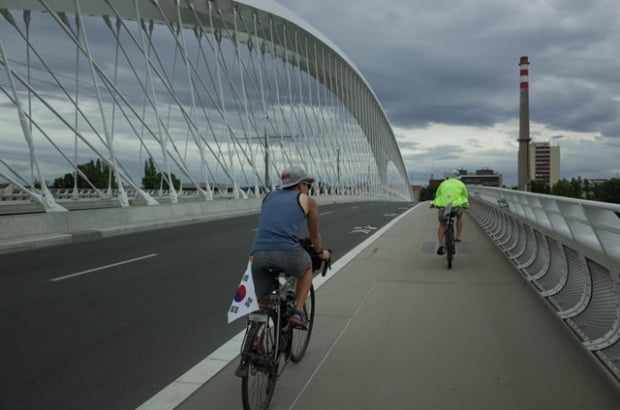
(32, 230)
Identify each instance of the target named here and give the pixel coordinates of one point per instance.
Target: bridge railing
(569, 250)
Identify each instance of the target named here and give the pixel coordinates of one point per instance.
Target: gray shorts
(458, 212)
(294, 263)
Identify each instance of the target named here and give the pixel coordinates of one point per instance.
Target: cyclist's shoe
(458, 240)
(440, 250)
(298, 319)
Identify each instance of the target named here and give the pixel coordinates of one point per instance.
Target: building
(545, 163)
(485, 177)
(8, 188)
(415, 190)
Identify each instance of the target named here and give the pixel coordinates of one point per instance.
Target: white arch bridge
(212, 93)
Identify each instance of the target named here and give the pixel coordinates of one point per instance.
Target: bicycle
(270, 342)
(449, 239)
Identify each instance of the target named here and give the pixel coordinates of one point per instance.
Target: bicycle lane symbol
(363, 229)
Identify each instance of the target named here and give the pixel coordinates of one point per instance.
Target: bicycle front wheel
(258, 384)
(301, 338)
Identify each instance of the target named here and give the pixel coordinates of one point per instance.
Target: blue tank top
(280, 219)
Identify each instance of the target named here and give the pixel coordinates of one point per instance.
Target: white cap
(293, 176)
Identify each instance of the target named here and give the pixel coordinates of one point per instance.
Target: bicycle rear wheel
(301, 338)
(450, 244)
(258, 384)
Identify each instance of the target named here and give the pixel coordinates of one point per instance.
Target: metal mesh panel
(541, 262)
(602, 312)
(572, 297)
(500, 225)
(611, 357)
(555, 277)
(521, 242)
(530, 249)
(506, 230)
(493, 226)
(515, 233)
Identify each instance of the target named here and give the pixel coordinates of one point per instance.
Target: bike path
(395, 329)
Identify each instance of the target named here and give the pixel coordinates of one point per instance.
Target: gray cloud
(456, 63)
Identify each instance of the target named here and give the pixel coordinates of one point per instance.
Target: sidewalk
(395, 329)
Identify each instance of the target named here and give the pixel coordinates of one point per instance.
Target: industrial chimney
(524, 126)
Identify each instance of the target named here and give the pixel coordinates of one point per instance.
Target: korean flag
(245, 300)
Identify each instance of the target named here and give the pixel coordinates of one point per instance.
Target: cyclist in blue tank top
(276, 243)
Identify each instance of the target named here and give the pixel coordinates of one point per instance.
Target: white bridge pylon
(219, 95)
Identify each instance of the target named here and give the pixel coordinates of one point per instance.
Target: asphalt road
(106, 324)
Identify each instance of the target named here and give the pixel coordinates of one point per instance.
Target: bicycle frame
(276, 308)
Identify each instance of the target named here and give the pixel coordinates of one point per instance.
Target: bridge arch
(217, 92)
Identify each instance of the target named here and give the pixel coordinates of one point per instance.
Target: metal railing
(569, 250)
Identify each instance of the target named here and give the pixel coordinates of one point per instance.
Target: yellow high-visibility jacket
(451, 190)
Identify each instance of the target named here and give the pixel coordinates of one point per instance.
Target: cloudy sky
(447, 75)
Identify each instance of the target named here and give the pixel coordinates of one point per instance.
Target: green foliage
(154, 180)
(539, 187)
(97, 172)
(567, 188)
(427, 193)
(608, 191)
(588, 189)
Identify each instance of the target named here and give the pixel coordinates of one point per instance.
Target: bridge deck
(395, 329)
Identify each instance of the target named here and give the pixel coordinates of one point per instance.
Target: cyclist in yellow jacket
(454, 191)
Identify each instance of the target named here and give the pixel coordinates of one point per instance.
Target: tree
(153, 179)
(561, 188)
(97, 173)
(587, 189)
(576, 191)
(427, 193)
(567, 188)
(539, 187)
(608, 191)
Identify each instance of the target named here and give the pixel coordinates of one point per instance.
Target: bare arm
(312, 217)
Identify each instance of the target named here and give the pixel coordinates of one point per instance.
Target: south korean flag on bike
(245, 300)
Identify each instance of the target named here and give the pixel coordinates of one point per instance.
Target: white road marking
(84, 272)
(326, 213)
(360, 231)
(363, 229)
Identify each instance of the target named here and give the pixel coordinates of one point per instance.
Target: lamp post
(338, 167)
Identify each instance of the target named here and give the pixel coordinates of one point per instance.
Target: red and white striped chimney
(524, 72)
(524, 125)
